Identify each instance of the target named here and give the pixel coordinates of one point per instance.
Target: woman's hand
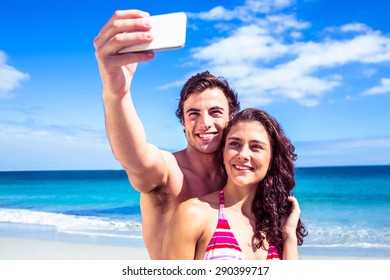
(289, 227)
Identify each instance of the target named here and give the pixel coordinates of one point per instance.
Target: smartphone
(169, 32)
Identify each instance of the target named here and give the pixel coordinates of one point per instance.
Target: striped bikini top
(223, 245)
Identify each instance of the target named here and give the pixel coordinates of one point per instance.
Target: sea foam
(72, 224)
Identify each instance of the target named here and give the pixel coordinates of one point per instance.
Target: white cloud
(344, 145)
(267, 59)
(355, 27)
(281, 23)
(33, 129)
(383, 88)
(175, 84)
(367, 48)
(247, 45)
(369, 72)
(350, 27)
(30, 146)
(245, 13)
(10, 78)
(344, 152)
(266, 6)
(216, 13)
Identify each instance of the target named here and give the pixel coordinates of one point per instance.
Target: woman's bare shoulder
(199, 205)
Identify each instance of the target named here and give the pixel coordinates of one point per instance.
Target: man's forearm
(125, 131)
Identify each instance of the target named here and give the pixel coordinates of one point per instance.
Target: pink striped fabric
(273, 253)
(223, 245)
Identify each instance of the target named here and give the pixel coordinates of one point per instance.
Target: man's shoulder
(180, 156)
(173, 159)
(173, 165)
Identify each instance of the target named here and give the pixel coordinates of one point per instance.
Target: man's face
(205, 116)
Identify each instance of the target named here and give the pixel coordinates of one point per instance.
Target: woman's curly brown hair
(270, 203)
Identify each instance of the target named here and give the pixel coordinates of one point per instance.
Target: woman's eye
(257, 147)
(234, 144)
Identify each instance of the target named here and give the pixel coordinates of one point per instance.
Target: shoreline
(40, 242)
(22, 248)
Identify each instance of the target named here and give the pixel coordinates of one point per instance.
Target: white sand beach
(15, 248)
(35, 249)
(44, 259)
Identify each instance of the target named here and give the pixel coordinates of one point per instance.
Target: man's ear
(183, 126)
(231, 116)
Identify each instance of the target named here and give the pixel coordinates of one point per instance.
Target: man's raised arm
(143, 162)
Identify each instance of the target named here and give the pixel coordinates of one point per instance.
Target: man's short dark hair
(202, 81)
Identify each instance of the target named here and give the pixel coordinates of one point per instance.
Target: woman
(253, 217)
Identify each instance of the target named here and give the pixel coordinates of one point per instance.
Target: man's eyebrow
(198, 110)
(217, 107)
(192, 110)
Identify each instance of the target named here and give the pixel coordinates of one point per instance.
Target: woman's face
(247, 153)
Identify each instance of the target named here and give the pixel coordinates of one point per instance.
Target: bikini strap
(222, 204)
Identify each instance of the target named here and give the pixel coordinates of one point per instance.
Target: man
(164, 179)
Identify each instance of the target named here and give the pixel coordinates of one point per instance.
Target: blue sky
(321, 67)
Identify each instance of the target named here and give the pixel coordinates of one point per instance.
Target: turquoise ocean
(345, 209)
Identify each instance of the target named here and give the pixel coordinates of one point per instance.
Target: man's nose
(205, 121)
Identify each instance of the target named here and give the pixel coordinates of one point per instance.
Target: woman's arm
(183, 232)
(290, 247)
